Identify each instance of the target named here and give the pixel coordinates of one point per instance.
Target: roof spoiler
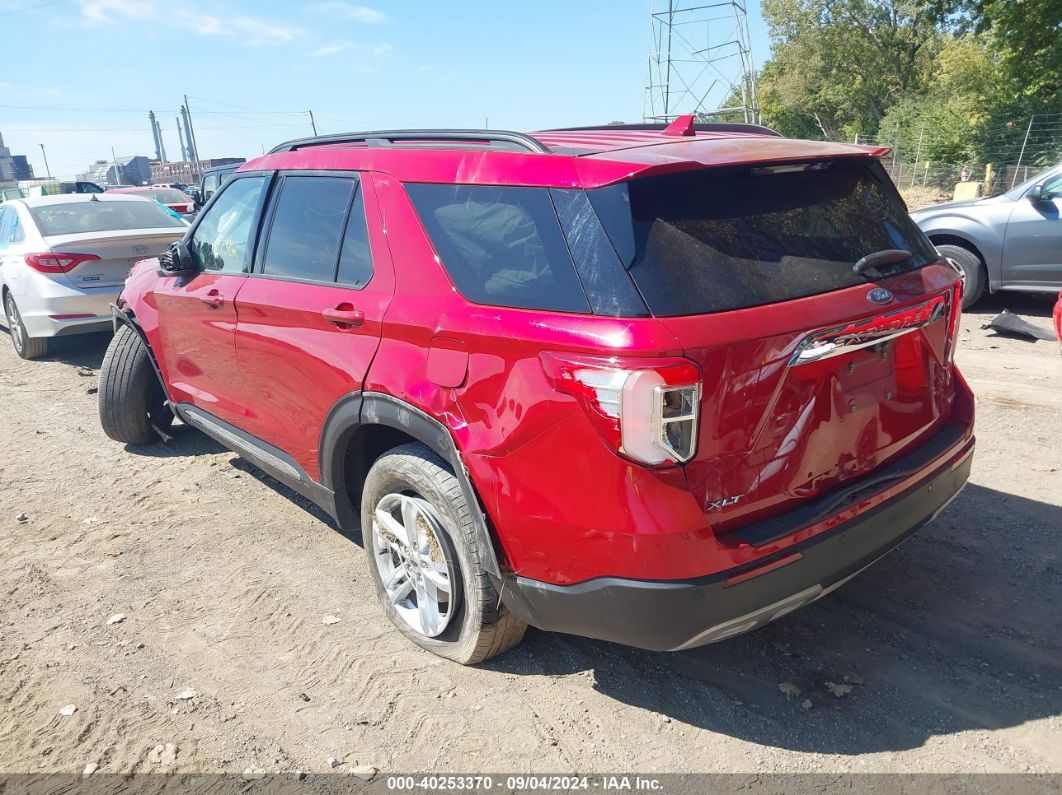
(681, 126)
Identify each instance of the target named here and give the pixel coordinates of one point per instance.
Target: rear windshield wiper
(871, 264)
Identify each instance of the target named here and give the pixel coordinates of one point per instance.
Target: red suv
(653, 385)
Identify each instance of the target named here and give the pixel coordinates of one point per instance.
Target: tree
(1026, 35)
(841, 64)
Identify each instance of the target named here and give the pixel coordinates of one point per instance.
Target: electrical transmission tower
(700, 61)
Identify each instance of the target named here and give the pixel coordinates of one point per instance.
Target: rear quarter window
(501, 246)
(715, 240)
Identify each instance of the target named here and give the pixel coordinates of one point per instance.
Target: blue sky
(250, 69)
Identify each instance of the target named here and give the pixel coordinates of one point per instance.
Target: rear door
(310, 317)
(813, 375)
(196, 331)
(1032, 249)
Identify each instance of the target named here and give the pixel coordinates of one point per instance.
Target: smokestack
(192, 154)
(180, 138)
(162, 144)
(155, 135)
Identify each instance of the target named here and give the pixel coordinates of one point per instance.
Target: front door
(1032, 249)
(197, 314)
(311, 313)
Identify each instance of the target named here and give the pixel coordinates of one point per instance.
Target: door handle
(213, 299)
(344, 316)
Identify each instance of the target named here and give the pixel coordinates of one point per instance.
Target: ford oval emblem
(879, 295)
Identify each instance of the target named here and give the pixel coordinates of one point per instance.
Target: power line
(144, 110)
(32, 8)
(140, 129)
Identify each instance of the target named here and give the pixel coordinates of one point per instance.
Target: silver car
(1012, 241)
(64, 259)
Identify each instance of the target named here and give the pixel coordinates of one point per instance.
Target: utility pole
(312, 122)
(180, 139)
(117, 171)
(46, 166)
(1022, 154)
(191, 138)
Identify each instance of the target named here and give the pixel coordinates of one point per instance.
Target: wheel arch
(952, 239)
(124, 316)
(361, 427)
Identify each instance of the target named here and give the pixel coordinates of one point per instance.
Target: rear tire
(475, 625)
(26, 346)
(132, 403)
(972, 267)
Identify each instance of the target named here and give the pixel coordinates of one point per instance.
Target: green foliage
(965, 74)
(844, 63)
(1027, 36)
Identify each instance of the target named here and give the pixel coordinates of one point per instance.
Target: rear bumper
(51, 308)
(674, 615)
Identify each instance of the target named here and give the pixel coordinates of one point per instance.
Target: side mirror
(177, 260)
(1035, 194)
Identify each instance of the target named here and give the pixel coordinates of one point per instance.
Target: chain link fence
(928, 165)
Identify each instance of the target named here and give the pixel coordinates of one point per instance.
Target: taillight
(645, 409)
(57, 263)
(953, 323)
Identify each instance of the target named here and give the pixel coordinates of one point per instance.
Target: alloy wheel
(14, 323)
(408, 539)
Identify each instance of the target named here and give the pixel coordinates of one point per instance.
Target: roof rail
(430, 139)
(699, 127)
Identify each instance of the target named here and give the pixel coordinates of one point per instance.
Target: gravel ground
(176, 597)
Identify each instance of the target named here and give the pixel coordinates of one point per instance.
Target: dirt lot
(945, 657)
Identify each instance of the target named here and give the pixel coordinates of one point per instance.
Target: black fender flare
(360, 409)
(121, 316)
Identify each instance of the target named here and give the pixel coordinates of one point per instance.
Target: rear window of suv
(715, 240)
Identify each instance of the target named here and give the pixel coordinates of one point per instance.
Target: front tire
(973, 269)
(26, 346)
(132, 403)
(424, 559)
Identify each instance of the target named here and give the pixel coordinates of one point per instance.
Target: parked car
(176, 200)
(213, 178)
(1011, 241)
(32, 188)
(658, 386)
(63, 260)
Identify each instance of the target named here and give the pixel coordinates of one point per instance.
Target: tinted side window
(1053, 186)
(11, 231)
(501, 245)
(210, 186)
(307, 228)
(5, 226)
(18, 234)
(222, 241)
(355, 261)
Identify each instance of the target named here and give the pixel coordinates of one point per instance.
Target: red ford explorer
(653, 385)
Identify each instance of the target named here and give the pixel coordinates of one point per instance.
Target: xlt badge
(723, 503)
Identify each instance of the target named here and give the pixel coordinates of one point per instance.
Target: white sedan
(64, 259)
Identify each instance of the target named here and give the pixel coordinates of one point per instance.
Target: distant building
(135, 170)
(21, 166)
(188, 172)
(7, 163)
